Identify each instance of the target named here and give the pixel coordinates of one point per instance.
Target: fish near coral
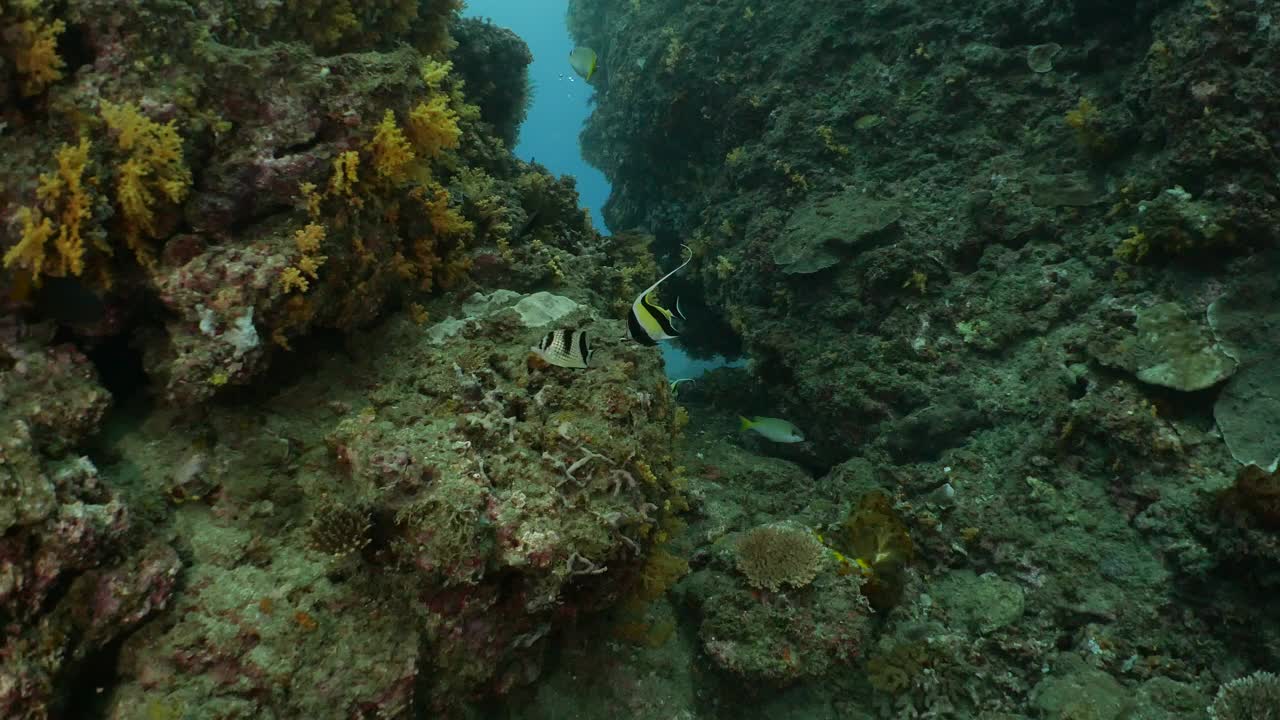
(564, 348)
(583, 60)
(775, 429)
(649, 323)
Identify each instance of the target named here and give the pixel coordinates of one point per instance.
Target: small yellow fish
(775, 429)
(583, 60)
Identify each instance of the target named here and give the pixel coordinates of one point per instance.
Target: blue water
(560, 98)
(561, 104)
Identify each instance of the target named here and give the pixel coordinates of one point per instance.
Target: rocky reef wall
(274, 442)
(1007, 263)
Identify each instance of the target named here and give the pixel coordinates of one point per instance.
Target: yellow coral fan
(1083, 115)
(392, 156)
(62, 196)
(433, 125)
(659, 573)
(37, 58)
(154, 166)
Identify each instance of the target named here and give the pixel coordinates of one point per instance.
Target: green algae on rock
(818, 234)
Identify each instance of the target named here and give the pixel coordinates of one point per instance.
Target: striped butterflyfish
(649, 322)
(564, 348)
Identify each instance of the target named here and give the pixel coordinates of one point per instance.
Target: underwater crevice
(90, 680)
(120, 368)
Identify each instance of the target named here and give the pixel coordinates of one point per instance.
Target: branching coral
(63, 205)
(153, 166)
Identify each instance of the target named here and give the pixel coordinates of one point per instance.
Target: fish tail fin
(745, 424)
(663, 279)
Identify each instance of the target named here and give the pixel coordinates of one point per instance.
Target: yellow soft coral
(30, 252)
(346, 173)
(307, 240)
(61, 196)
(433, 125)
(153, 166)
(291, 279)
(434, 72)
(445, 220)
(392, 155)
(37, 58)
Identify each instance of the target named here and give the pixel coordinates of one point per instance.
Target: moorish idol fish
(565, 348)
(649, 322)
